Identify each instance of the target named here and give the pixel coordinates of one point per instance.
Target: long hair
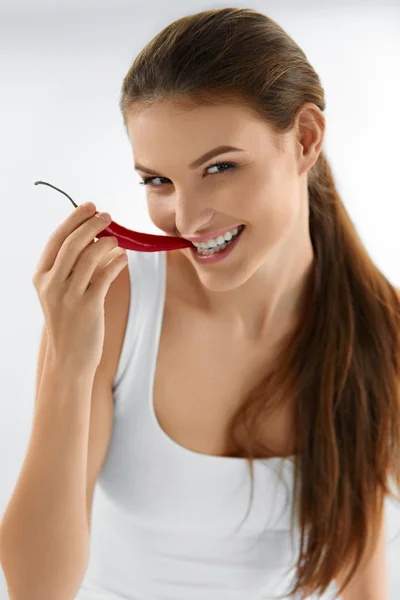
(342, 361)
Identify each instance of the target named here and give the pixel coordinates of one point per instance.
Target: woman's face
(262, 189)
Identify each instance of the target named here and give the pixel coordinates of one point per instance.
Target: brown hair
(343, 359)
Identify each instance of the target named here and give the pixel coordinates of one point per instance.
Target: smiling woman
(298, 274)
(281, 347)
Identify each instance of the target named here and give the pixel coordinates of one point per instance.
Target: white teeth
(206, 249)
(221, 239)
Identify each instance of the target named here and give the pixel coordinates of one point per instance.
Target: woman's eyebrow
(199, 161)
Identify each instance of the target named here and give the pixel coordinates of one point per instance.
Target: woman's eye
(149, 180)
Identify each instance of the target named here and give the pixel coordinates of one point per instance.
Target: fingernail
(89, 206)
(105, 216)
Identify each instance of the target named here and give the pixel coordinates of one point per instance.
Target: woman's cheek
(272, 217)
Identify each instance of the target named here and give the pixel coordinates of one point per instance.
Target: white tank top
(169, 523)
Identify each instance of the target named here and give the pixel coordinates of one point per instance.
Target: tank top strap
(147, 273)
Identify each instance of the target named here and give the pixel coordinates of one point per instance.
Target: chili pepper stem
(58, 189)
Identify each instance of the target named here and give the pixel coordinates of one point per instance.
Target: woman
(272, 344)
(298, 279)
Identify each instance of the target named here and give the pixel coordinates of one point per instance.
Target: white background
(62, 65)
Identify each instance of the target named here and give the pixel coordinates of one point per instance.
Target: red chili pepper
(134, 240)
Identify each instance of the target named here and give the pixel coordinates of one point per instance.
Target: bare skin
(233, 314)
